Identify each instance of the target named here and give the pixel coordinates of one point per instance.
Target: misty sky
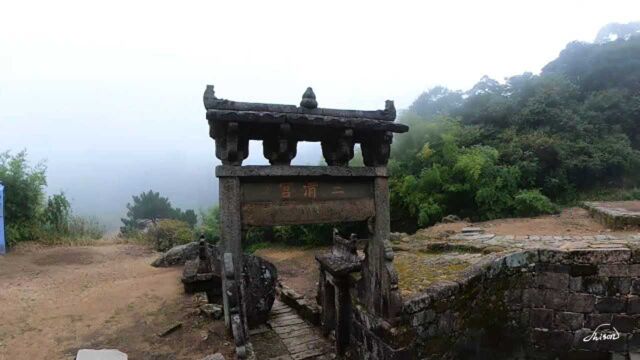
(110, 92)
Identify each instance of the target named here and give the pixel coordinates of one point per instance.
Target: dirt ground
(54, 301)
(297, 268)
(571, 221)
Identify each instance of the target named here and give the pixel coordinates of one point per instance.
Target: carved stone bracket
(280, 148)
(338, 150)
(232, 146)
(376, 149)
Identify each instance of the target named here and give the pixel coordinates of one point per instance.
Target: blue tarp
(3, 247)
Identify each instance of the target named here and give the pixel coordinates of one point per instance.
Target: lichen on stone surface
(418, 270)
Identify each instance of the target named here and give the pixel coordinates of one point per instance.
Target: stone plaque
(288, 201)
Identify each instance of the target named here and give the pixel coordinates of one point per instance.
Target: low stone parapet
(552, 296)
(617, 215)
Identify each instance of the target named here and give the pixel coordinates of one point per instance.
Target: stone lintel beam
(299, 171)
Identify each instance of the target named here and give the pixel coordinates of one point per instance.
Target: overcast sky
(110, 92)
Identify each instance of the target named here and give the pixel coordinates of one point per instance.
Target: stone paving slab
(302, 340)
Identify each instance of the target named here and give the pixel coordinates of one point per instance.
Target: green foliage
(24, 195)
(572, 130)
(29, 217)
(210, 226)
(151, 206)
(532, 202)
(57, 214)
(167, 233)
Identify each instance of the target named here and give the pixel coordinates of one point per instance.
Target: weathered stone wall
(530, 304)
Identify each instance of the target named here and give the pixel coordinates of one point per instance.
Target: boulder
(103, 354)
(397, 236)
(178, 255)
(260, 277)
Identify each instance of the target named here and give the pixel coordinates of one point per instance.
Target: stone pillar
(343, 314)
(230, 232)
(380, 294)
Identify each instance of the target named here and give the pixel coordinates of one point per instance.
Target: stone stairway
(302, 340)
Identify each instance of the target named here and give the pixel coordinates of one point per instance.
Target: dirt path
(54, 301)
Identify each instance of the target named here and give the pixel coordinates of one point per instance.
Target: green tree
(57, 214)
(210, 226)
(153, 207)
(24, 195)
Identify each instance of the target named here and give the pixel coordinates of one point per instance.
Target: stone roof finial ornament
(390, 109)
(209, 96)
(309, 99)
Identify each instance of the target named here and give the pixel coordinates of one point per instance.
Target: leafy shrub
(210, 226)
(24, 195)
(532, 203)
(57, 215)
(167, 233)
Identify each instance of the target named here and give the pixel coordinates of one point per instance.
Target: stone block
(635, 286)
(583, 270)
(610, 304)
(102, 354)
(423, 317)
(541, 318)
(447, 322)
(618, 286)
(442, 290)
(552, 256)
(417, 304)
(600, 256)
(553, 280)
(633, 304)
(595, 285)
(552, 340)
(579, 343)
(568, 321)
(613, 270)
(552, 267)
(624, 323)
(634, 342)
(532, 297)
(634, 270)
(556, 299)
(583, 303)
(521, 258)
(575, 284)
(595, 320)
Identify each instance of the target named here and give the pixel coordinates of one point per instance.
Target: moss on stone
(415, 274)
